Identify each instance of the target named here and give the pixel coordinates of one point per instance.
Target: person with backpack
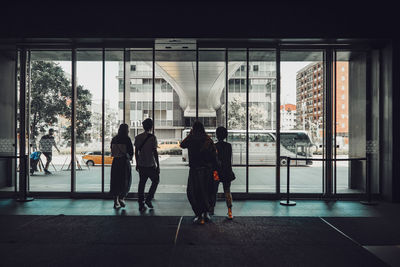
(225, 174)
(147, 164)
(121, 170)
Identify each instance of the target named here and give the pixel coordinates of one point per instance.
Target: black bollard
(287, 202)
(368, 186)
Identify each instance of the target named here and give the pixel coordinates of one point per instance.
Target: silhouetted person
(147, 163)
(46, 144)
(225, 173)
(121, 171)
(202, 162)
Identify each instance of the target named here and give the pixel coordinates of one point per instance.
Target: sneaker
(201, 221)
(142, 207)
(47, 171)
(149, 204)
(122, 202)
(206, 217)
(196, 220)
(230, 216)
(117, 205)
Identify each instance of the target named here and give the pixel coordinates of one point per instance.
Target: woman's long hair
(198, 129)
(123, 130)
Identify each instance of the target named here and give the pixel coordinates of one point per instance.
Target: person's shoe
(142, 207)
(206, 217)
(31, 172)
(117, 205)
(122, 202)
(211, 212)
(149, 204)
(47, 171)
(196, 220)
(202, 221)
(230, 216)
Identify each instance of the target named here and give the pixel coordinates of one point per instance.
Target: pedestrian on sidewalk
(202, 162)
(46, 144)
(121, 170)
(147, 164)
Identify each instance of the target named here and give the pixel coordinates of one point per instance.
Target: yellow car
(168, 144)
(94, 158)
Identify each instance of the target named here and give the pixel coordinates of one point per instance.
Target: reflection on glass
(50, 108)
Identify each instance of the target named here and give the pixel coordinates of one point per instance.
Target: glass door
(302, 122)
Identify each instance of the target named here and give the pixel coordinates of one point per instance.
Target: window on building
(255, 67)
(343, 106)
(133, 67)
(343, 97)
(342, 78)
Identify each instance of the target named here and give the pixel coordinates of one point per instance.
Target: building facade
(169, 114)
(310, 97)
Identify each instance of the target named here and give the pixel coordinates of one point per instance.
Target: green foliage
(237, 116)
(51, 100)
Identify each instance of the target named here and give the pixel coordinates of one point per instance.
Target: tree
(237, 116)
(51, 100)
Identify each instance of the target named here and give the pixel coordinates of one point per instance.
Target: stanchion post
(23, 182)
(368, 185)
(287, 202)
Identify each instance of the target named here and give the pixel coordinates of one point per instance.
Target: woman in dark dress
(202, 162)
(121, 174)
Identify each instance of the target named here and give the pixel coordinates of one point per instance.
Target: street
(174, 172)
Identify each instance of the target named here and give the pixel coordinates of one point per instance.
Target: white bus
(294, 143)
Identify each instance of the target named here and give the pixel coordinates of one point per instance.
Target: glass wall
(139, 91)
(212, 97)
(89, 115)
(237, 116)
(302, 119)
(175, 102)
(113, 105)
(236, 88)
(50, 108)
(262, 122)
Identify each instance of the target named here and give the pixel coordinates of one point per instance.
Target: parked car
(93, 158)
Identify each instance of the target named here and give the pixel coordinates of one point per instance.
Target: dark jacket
(201, 150)
(224, 156)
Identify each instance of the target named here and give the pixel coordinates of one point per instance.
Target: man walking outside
(46, 144)
(147, 163)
